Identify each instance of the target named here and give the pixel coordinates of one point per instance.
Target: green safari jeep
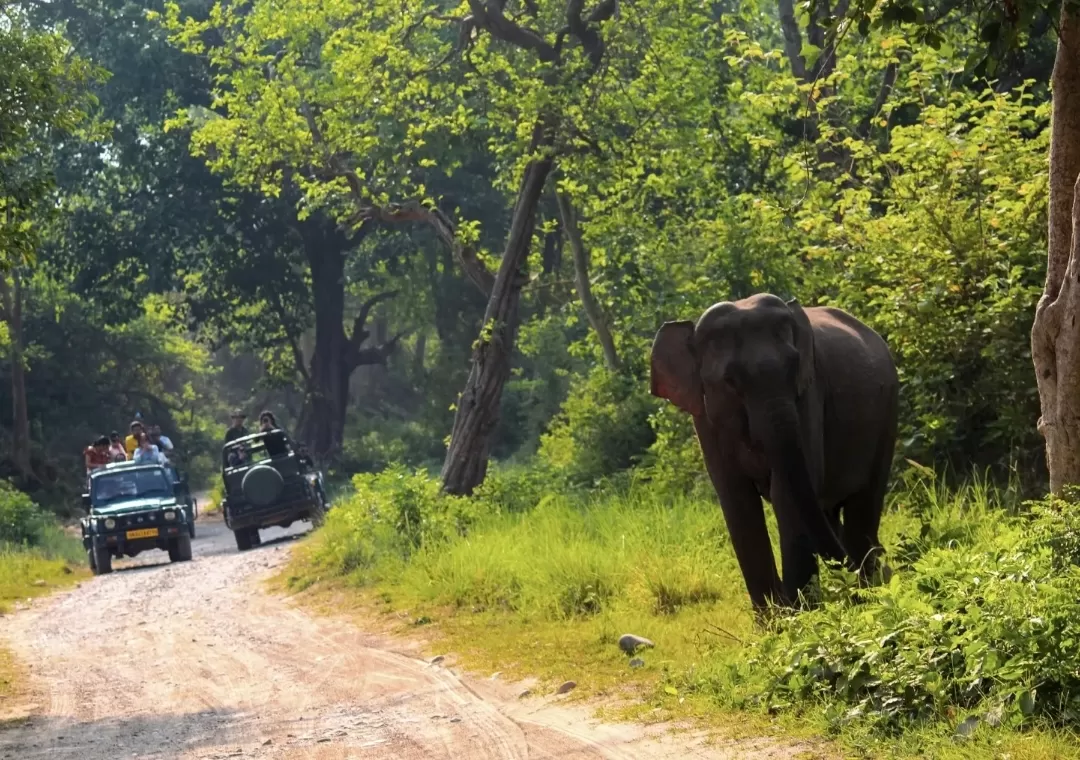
(132, 508)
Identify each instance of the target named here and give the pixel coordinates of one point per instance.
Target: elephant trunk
(778, 430)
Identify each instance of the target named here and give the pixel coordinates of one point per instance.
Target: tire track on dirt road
(197, 660)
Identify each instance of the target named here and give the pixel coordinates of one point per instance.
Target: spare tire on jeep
(262, 485)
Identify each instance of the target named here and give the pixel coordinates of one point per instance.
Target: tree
(370, 147)
(1055, 334)
(43, 97)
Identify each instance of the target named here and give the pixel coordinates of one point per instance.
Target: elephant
(795, 405)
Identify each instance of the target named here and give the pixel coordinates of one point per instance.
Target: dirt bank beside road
(196, 660)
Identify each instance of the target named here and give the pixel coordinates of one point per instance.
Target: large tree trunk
(322, 425)
(336, 354)
(478, 406)
(581, 279)
(11, 296)
(1055, 336)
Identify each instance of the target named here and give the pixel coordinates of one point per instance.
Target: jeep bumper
(119, 544)
(267, 517)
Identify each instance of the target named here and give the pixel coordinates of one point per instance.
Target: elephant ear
(674, 370)
(804, 344)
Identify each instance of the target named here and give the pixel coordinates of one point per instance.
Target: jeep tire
(318, 513)
(100, 560)
(180, 549)
(262, 485)
(243, 539)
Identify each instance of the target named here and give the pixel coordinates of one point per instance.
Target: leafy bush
(372, 443)
(518, 488)
(602, 427)
(21, 522)
(942, 251)
(982, 628)
(391, 514)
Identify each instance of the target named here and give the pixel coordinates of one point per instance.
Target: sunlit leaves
(42, 95)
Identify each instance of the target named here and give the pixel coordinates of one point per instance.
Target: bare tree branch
(293, 338)
(489, 15)
(888, 79)
(377, 354)
(792, 39)
(409, 212)
(359, 334)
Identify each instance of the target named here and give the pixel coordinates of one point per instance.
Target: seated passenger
(237, 457)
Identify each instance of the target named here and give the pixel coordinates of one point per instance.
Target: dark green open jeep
(132, 508)
(269, 481)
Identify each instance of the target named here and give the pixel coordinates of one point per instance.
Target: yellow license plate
(143, 533)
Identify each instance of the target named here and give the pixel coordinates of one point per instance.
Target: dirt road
(195, 660)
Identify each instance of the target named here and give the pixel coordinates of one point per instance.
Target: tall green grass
(967, 650)
(36, 554)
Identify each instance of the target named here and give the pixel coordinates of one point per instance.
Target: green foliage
(979, 626)
(21, 522)
(556, 555)
(36, 555)
(44, 97)
(390, 516)
(602, 427)
(942, 251)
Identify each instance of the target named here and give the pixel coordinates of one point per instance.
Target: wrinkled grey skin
(794, 405)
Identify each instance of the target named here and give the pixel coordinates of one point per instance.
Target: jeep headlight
(170, 515)
(110, 523)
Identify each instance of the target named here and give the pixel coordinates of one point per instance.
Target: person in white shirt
(161, 441)
(147, 452)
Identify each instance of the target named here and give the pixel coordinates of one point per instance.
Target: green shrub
(518, 488)
(602, 427)
(21, 522)
(393, 514)
(983, 627)
(374, 443)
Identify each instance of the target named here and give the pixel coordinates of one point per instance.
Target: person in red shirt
(97, 454)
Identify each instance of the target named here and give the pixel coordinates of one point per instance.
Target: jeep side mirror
(86, 501)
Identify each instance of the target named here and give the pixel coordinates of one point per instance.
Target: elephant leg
(797, 558)
(745, 518)
(862, 516)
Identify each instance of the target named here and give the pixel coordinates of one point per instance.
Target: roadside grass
(37, 556)
(542, 585)
(214, 498)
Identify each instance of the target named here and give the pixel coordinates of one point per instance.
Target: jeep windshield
(112, 487)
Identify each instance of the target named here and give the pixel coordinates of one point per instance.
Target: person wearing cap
(236, 429)
(132, 441)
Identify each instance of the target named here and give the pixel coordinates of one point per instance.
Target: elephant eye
(733, 381)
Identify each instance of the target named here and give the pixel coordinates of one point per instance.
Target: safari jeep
(268, 482)
(132, 508)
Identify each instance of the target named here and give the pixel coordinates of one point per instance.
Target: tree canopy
(407, 226)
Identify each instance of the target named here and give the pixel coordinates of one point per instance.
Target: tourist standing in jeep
(236, 429)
